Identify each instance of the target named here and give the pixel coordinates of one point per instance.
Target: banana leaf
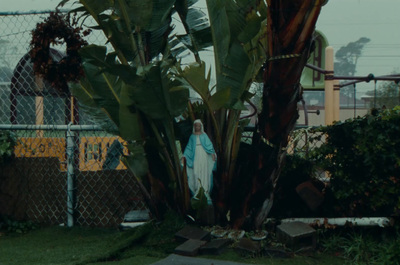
(155, 95)
(106, 90)
(237, 32)
(198, 35)
(138, 30)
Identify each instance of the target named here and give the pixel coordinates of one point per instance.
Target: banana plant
(278, 33)
(142, 107)
(138, 92)
(239, 41)
(141, 94)
(141, 86)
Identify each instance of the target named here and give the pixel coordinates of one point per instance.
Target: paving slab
(190, 247)
(246, 245)
(192, 232)
(215, 247)
(296, 235)
(174, 259)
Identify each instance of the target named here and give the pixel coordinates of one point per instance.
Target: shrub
(7, 142)
(363, 158)
(14, 226)
(363, 245)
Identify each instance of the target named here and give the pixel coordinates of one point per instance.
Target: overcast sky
(27, 5)
(341, 21)
(344, 21)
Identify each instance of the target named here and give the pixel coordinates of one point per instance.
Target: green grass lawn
(56, 245)
(141, 246)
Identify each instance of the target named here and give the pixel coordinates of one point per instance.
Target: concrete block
(297, 235)
(129, 225)
(137, 216)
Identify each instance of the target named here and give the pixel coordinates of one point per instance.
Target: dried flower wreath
(57, 30)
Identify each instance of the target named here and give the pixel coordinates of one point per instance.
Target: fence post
(70, 176)
(329, 86)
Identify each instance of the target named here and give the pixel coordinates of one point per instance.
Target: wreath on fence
(57, 30)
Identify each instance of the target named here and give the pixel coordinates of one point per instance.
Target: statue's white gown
(201, 173)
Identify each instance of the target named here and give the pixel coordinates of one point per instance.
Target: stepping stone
(215, 247)
(190, 247)
(192, 232)
(246, 245)
(297, 235)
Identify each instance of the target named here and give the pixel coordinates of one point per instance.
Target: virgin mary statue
(200, 161)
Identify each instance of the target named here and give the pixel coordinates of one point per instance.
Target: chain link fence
(68, 175)
(301, 141)
(88, 186)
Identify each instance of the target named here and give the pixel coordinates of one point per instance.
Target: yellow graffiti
(92, 151)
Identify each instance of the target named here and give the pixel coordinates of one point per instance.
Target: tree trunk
(290, 26)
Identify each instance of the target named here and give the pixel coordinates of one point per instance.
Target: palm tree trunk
(290, 27)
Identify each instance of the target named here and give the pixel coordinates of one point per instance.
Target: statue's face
(197, 127)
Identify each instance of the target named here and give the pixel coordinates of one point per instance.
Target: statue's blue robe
(190, 149)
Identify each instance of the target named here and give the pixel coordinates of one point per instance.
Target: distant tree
(347, 57)
(346, 61)
(387, 96)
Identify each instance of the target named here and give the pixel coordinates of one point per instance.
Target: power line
(380, 56)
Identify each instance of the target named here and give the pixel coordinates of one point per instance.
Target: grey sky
(341, 21)
(27, 5)
(344, 21)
